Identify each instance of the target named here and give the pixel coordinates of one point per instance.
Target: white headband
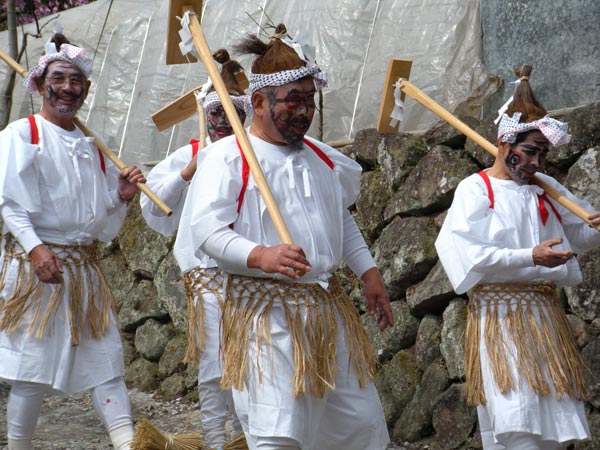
(240, 101)
(260, 80)
(554, 130)
(69, 53)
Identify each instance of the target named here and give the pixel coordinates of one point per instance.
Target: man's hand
(127, 179)
(595, 219)
(188, 171)
(287, 259)
(46, 265)
(544, 255)
(378, 300)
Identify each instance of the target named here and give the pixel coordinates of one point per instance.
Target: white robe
(480, 244)
(313, 200)
(56, 192)
(165, 181)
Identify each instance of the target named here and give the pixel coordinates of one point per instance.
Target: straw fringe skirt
(30, 297)
(197, 282)
(311, 314)
(524, 324)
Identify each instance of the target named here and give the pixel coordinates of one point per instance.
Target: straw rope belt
(311, 313)
(81, 268)
(197, 282)
(526, 324)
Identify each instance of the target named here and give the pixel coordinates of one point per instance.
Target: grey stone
(591, 356)
(398, 156)
(405, 253)
(171, 292)
(173, 387)
(141, 304)
(453, 420)
(584, 128)
(141, 374)
(594, 442)
(142, 247)
(151, 339)
(396, 384)
(415, 422)
(489, 131)
(118, 276)
(397, 337)
(584, 299)
(371, 203)
(366, 148)
(432, 295)
(130, 354)
(583, 178)
(453, 338)
(430, 185)
(171, 360)
(580, 330)
(442, 133)
(427, 345)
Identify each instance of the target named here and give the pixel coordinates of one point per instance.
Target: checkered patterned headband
(260, 80)
(240, 101)
(69, 53)
(554, 130)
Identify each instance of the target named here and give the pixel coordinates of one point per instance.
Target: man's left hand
(378, 300)
(128, 177)
(595, 219)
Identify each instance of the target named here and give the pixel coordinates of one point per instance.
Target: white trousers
(110, 401)
(215, 403)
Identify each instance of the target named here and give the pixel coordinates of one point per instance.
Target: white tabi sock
(20, 444)
(121, 436)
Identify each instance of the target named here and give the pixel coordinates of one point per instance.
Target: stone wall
(408, 184)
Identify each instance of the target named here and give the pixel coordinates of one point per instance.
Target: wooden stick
(121, 165)
(433, 106)
(110, 155)
(209, 63)
(201, 126)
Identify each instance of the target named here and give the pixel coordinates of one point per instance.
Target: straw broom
(148, 437)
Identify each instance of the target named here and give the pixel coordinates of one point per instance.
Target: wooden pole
(433, 106)
(201, 126)
(259, 178)
(110, 155)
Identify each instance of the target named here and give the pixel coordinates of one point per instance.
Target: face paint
(524, 159)
(64, 88)
(292, 109)
(217, 124)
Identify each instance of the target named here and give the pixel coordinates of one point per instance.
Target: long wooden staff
(209, 63)
(110, 155)
(410, 89)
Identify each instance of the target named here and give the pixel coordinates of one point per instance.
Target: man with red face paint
(294, 348)
(507, 243)
(58, 331)
(202, 278)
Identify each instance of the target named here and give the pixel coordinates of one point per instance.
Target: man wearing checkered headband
(58, 330)
(507, 243)
(295, 350)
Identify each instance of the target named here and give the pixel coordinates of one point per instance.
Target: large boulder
(430, 185)
(453, 420)
(142, 247)
(405, 252)
(398, 156)
(442, 133)
(171, 360)
(117, 274)
(142, 374)
(453, 338)
(584, 299)
(171, 293)
(152, 337)
(371, 203)
(432, 295)
(427, 345)
(141, 304)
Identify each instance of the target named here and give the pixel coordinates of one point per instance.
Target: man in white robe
(58, 331)
(203, 280)
(294, 347)
(511, 246)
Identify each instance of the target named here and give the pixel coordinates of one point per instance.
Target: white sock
(20, 444)
(121, 436)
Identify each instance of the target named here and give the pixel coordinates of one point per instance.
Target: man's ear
(259, 103)
(503, 148)
(40, 85)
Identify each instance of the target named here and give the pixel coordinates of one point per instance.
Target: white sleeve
(355, 251)
(17, 220)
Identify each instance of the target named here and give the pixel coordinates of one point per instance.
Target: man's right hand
(544, 255)
(287, 259)
(46, 265)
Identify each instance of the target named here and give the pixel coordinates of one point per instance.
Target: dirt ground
(70, 422)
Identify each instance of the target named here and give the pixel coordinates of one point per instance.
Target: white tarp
(354, 41)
